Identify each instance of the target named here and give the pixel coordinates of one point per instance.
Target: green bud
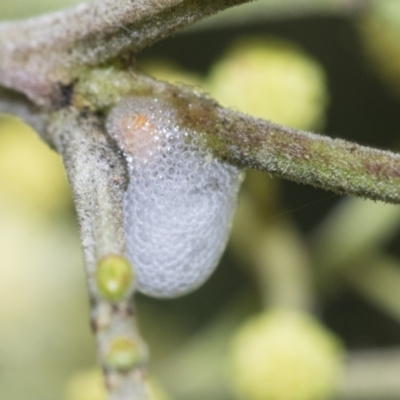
(272, 79)
(286, 355)
(114, 277)
(123, 354)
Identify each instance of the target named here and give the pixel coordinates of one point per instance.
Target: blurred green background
(305, 304)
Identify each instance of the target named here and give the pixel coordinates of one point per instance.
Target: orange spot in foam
(134, 122)
(138, 134)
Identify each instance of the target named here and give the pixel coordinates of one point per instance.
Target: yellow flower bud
(285, 355)
(114, 277)
(123, 354)
(271, 79)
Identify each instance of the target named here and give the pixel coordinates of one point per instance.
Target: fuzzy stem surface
(40, 56)
(97, 176)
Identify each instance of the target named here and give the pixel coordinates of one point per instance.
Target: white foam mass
(179, 202)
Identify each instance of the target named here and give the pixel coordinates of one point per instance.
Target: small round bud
(123, 354)
(285, 355)
(114, 277)
(271, 79)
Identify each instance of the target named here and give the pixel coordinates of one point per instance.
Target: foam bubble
(179, 202)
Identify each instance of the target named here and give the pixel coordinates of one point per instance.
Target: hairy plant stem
(40, 56)
(332, 164)
(97, 176)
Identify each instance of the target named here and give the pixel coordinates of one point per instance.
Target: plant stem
(97, 176)
(331, 164)
(40, 56)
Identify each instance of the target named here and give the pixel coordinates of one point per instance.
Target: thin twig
(331, 164)
(303, 157)
(96, 173)
(40, 54)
